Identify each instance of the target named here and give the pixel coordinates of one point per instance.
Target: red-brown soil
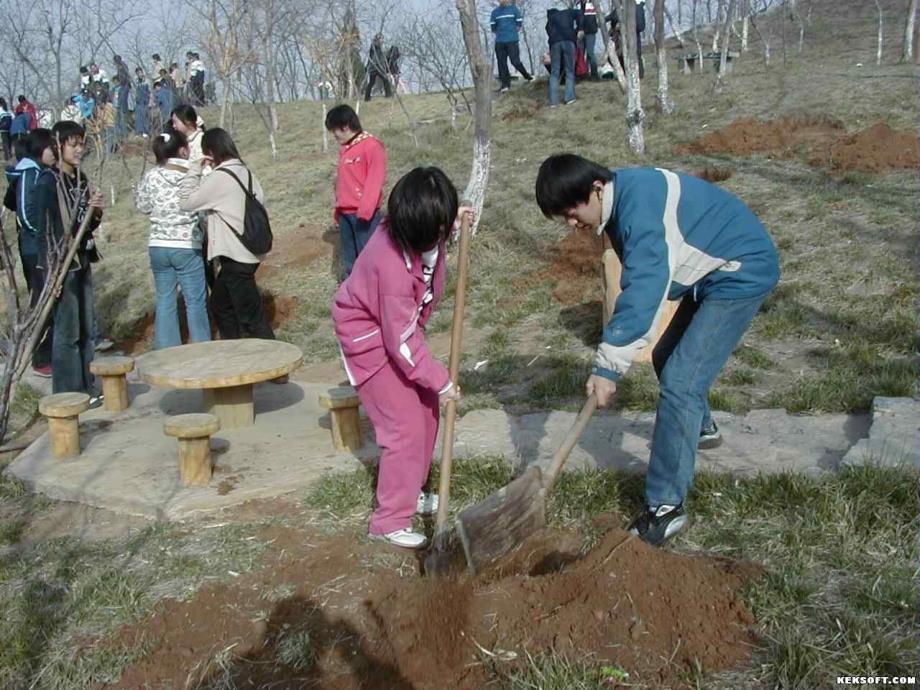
(652, 612)
(295, 250)
(820, 142)
(574, 269)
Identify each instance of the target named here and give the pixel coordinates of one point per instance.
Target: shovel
(439, 561)
(494, 527)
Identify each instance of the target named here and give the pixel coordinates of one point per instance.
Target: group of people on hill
(110, 108)
(571, 29)
(383, 65)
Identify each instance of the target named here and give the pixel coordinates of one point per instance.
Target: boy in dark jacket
(588, 16)
(678, 238)
(377, 68)
(562, 30)
(614, 21)
(73, 346)
(31, 194)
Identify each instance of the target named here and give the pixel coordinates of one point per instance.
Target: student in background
(361, 173)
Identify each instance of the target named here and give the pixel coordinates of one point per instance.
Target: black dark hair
(187, 114)
(64, 131)
(566, 180)
(84, 69)
(218, 145)
(21, 98)
(343, 117)
(21, 148)
(37, 141)
(155, 56)
(422, 209)
(3, 103)
(167, 144)
(173, 65)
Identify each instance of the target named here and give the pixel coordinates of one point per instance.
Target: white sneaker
(427, 504)
(406, 538)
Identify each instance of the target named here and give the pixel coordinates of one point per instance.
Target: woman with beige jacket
(235, 300)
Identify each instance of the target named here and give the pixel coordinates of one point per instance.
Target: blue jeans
(72, 342)
(172, 268)
(688, 358)
(590, 55)
(353, 235)
(559, 51)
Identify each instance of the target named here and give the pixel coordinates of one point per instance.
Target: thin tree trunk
(635, 133)
(225, 103)
(745, 22)
(696, 39)
(726, 47)
(878, 52)
(907, 49)
(610, 51)
(325, 131)
(661, 54)
(674, 27)
(481, 70)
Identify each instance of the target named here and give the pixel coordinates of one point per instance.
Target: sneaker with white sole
(407, 538)
(710, 436)
(656, 524)
(427, 504)
(104, 344)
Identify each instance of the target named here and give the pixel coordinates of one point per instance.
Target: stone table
(224, 370)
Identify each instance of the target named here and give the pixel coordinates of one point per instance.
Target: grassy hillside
(839, 329)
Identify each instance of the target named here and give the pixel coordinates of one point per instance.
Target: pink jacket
(379, 316)
(359, 180)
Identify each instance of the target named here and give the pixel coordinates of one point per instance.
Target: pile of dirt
(350, 624)
(876, 149)
(574, 269)
(821, 142)
(295, 250)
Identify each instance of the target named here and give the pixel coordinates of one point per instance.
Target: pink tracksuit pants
(405, 419)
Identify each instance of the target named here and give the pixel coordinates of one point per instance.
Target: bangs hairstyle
(422, 209)
(167, 145)
(218, 144)
(343, 117)
(37, 141)
(65, 132)
(566, 180)
(186, 114)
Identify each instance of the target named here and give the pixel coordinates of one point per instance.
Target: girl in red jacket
(380, 313)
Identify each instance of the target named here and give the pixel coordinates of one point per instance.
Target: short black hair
(21, 148)
(37, 141)
(21, 98)
(343, 117)
(422, 209)
(64, 131)
(219, 145)
(187, 114)
(566, 180)
(155, 56)
(167, 144)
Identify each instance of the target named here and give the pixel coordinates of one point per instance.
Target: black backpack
(257, 231)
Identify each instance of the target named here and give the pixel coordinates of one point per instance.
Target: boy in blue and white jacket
(678, 238)
(507, 22)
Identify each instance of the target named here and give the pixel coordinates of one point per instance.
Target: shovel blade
(494, 527)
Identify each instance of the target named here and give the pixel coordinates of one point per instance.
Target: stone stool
(194, 434)
(63, 411)
(342, 403)
(114, 383)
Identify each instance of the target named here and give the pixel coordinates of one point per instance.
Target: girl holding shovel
(380, 312)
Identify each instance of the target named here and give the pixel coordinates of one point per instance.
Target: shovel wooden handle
(456, 341)
(571, 438)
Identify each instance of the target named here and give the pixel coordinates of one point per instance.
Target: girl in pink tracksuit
(380, 313)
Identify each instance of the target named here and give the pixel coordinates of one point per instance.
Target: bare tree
(635, 116)
(481, 69)
(878, 52)
(610, 45)
(661, 56)
(726, 43)
(907, 48)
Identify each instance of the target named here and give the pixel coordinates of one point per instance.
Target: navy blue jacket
(561, 25)
(505, 22)
(35, 192)
(676, 234)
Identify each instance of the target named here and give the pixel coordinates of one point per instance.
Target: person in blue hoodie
(33, 186)
(163, 98)
(141, 103)
(507, 22)
(678, 238)
(562, 30)
(19, 127)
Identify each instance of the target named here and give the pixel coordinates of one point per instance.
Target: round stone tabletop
(219, 363)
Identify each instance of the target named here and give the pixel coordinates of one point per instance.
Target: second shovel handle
(571, 438)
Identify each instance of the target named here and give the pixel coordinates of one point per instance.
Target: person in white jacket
(174, 245)
(235, 300)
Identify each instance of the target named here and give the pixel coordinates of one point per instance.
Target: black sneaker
(710, 436)
(656, 526)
